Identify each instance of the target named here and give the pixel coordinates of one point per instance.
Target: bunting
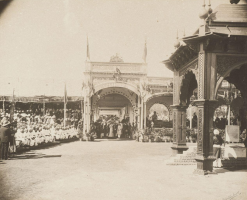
(12, 107)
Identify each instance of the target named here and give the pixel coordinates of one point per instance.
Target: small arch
(219, 81)
(113, 91)
(163, 103)
(187, 88)
(158, 95)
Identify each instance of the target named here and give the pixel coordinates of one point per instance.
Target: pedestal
(178, 149)
(179, 130)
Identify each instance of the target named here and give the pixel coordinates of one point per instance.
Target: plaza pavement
(110, 169)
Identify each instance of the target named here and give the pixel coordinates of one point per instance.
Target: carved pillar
(139, 113)
(176, 88)
(88, 113)
(204, 155)
(142, 113)
(145, 114)
(206, 106)
(179, 129)
(85, 115)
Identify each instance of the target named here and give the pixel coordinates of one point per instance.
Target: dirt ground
(110, 169)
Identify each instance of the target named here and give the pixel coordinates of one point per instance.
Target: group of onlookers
(102, 129)
(29, 130)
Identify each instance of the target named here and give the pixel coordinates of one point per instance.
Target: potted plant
(151, 138)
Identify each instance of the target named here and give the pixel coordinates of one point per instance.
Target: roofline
(115, 63)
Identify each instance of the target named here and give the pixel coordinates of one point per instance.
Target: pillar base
(178, 149)
(204, 165)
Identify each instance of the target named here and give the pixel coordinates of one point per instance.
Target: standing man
(5, 134)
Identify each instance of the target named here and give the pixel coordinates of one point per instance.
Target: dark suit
(5, 135)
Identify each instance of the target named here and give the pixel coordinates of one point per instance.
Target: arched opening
(188, 93)
(159, 113)
(119, 102)
(188, 89)
(233, 91)
(114, 105)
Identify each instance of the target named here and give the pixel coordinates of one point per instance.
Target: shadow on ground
(113, 139)
(32, 155)
(232, 169)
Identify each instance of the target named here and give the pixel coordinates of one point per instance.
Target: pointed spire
(88, 53)
(145, 51)
(177, 43)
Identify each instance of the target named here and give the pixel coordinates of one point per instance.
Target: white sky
(43, 42)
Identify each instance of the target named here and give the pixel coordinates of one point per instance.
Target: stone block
(232, 133)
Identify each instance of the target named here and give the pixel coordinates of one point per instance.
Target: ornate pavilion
(215, 52)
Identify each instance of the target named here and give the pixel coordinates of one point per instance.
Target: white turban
(216, 132)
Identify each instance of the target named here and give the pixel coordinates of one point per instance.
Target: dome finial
(204, 13)
(210, 10)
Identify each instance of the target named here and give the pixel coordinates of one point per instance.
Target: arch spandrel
(128, 86)
(129, 95)
(224, 68)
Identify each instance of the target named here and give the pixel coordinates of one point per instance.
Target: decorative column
(179, 129)
(85, 116)
(190, 117)
(81, 109)
(139, 113)
(88, 113)
(204, 156)
(206, 106)
(145, 115)
(142, 112)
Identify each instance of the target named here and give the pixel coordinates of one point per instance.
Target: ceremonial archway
(127, 79)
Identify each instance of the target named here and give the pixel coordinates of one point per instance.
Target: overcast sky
(43, 42)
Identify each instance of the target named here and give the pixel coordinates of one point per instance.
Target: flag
(145, 52)
(65, 95)
(88, 53)
(12, 108)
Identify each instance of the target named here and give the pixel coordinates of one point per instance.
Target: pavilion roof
(226, 20)
(231, 13)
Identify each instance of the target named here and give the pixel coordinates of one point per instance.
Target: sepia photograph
(123, 99)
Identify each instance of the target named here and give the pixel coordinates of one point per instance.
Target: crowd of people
(113, 128)
(28, 130)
